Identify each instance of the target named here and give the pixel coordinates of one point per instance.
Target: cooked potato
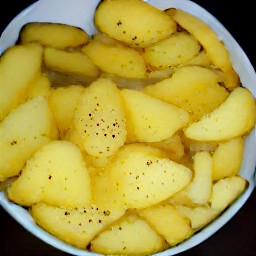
(130, 236)
(62, 101)
(144, 176)
(193, 88)
(99, 120)
(53, 35)
(125, 61)
(76, 226)
(227, 158)
(199, 216)
(225, 191)
(17, 76)
(168, 222)
(172, 51)
(173, 146)
(236, 116)
(21, 136)
(201, 59)
(56, 174)
(40, 86)
(121, 20)
(71, 63)
(149, 119)
(214, 47)
(200, 188)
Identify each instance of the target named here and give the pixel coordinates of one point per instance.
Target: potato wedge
(168, 222)
(236, 116)
(76, 226)
(62, 101)
(121, 19)
(225, 191)
(40, 86)
(17, 76)
(56, 175)
(150, 119)
(193, 88)
(227, 158)
(125, 61)
(175, 50)
(210, 41)
(99, 120)
(200, 188)
(53, 35)
(69, 63)
(199, 216)
(129, 236)
(21, 136)
(144, 176)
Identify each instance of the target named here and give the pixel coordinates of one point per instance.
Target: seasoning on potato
(115, 141)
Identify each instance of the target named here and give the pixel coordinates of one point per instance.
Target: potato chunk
(19, 66)
(56, 174)
(53, 35)
(99, 120)
(214, 47)
(227, 158)
(193, 88)
(144, 176)
(125, 61)
(225, 191)
(25, 130)
(76, 226)
(172, 51)
(62, 101)
(168, 222)
(235, 117)
(130, 236)
(70, 63)
(150, 119)
(121, 19)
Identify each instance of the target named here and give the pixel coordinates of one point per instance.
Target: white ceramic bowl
(80, 13)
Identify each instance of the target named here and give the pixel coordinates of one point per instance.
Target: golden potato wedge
(149, 119)
(121, 19)
(175, 50)
(23, 131)
(56, 174)
(225, 191)
(40, 86)
(210, 41)
(76, 226)
(129, 236)
(19, 66)
(62, 101)
(193, 88)
(144, 176)
(227, 158)
(173, 147)
(199, 216)
(70, 63)
(168, 222)
(125, 61)
(53, 35)
(99, 119)
(200, 188)
(236, 116)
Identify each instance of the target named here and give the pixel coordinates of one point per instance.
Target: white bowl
(79, 13)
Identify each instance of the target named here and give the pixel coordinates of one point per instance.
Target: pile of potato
(127, 141)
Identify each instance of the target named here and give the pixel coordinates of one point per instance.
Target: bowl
(79, 13)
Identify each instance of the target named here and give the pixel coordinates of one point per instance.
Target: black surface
(238, 236)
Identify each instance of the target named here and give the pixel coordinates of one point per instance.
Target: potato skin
(122, 20)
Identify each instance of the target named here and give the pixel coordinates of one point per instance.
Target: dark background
(238, 236)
